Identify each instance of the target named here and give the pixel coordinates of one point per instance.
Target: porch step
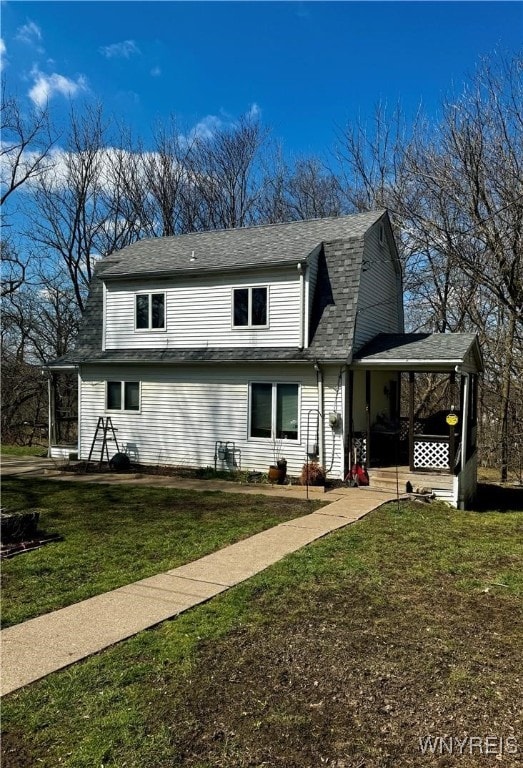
(386, 478)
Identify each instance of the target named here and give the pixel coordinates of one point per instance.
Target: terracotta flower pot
(276, 475)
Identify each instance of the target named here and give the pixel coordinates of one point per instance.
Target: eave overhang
(202, 271)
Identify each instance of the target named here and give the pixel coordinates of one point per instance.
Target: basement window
(123, 396)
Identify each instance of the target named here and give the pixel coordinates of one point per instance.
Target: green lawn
(116, 535)
(346, 653)
(24, 450)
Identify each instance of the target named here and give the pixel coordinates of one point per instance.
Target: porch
(413, 407)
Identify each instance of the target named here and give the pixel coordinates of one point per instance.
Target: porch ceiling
(421, 351)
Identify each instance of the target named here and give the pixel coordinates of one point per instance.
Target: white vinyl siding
(199, 314)
(379, 308)
(186, 409)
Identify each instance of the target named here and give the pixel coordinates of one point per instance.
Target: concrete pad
(31, 649)
(320, 523)
(353, 507)
(178, 600)
(23, 664)
(187, 587)
(242, 560)
(83, 626)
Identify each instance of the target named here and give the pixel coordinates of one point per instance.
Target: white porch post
(51, 419)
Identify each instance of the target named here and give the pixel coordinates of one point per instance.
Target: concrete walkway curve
(35, 648)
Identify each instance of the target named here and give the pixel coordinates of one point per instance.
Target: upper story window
(150, 311)
(250, 307)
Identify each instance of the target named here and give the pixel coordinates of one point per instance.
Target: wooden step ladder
(103, 428)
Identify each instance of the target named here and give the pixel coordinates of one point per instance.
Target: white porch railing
(434, 452)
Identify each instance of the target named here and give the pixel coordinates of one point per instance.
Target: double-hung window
(274, 411)
(123, 396)
(150, 311)
(250, 307)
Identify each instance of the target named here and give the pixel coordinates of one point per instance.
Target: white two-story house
(238, 347)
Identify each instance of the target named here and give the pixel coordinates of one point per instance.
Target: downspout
(321, 440)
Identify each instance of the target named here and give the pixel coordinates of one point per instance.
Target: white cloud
(46, 86)
(206, 128)
(156, 72)
(254, 112)
(29, 33)
(123, 50)
(3, 54)
(210, 124)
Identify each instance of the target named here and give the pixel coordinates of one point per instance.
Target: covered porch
(413, 408)
(62, 391)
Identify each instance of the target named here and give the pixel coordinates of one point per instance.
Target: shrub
(313, 474)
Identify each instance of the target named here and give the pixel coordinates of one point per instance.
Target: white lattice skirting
(431, 455)
(360, 445)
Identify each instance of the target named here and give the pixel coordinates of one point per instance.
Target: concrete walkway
(37, 647)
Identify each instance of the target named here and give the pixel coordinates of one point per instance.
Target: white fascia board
(68, 367)
(405, 362)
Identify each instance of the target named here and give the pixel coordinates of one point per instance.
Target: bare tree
(27, 141)
(224, 183)
(83, 207)
(25, 154)
(456, 194)
(306, 189)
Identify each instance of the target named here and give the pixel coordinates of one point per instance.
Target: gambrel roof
(339, 241)
(233, 249)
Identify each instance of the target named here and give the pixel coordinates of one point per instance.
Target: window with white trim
(123, 396)
(250, 307)
(274, 411)
(150, 311)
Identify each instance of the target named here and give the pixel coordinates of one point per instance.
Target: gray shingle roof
(452, 348)
(334, 303)
(234, 248)
(199, 355)
(335, 299)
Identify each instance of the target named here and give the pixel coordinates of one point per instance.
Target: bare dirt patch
(354, 679)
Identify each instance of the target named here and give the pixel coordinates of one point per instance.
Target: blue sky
(307, 67)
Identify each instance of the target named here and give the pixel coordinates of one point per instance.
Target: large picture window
(274, 411)
(150, 311)
(123, 396)
(249, 307)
